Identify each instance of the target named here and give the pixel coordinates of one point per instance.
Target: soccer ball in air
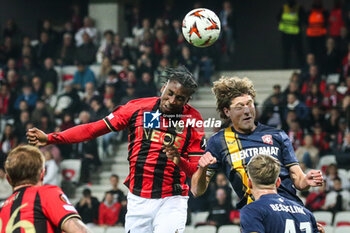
(201, 27)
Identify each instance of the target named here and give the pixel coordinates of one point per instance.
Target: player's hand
(314, 178)
(206, 160)
(36, 137)
(320, 228)
(172, 153)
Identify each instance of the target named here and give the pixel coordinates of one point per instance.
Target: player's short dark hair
(86, 192)
(182, 75)
(114, 176)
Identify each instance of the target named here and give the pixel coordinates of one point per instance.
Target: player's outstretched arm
(75, 225)
(301, 181)
(200, 180)
(75, 134)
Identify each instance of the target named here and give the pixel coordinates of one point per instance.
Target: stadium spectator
(159, 42)
(106, 67)
(295, 134)
(294, 104)
(220, 182)
(313, 77)
(28, 96)
(272, 113)
(97, 109)
(47, 27)
(227, 19)
(49, 96)
(12, 30)
(5, 187)
(130, 95)
(219, 211)
(6, 100)
(335, 20)
(109, 211)
(89, 93)
(87, 152)
(331, 97)
(146, 87)
(88, 207)
(314, 97)
(86, 52)
(317, 29)
(66, 53)
(68, 101)
(7, 50)
(45, 48)
(320, 138)
(330, 60)
(337, 199)
(37, 85)
(308, 153)
(9, 139)
(187, 59)
(52, 170)
(316, 199)
(89, 30)
(292, 17)
(82, 76)
(118, 197)
(50, 210)
(139, 33)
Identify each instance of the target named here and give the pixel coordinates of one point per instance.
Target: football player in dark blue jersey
(231, 148)
(271, 212)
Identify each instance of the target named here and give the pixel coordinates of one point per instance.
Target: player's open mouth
(247, 119)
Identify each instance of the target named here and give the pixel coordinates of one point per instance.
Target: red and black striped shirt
(152, 175)
(36, 209)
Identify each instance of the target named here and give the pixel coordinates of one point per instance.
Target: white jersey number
(290, 227)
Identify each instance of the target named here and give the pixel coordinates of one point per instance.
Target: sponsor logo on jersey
(267, 139)
(250, 152)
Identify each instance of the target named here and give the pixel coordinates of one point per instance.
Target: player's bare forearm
(199, 182)
(75, 225)
(304, 181)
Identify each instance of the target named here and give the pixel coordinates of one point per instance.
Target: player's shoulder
(217, 136)
(191, 111)
(270, 130)
(144, 101)
(254, 207)
(49, 189)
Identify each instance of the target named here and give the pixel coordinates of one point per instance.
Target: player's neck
(26, 185)
(260, 192)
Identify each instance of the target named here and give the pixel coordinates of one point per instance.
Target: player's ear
(250, 183)
(227, 112)
(278, 182)
(42, 174)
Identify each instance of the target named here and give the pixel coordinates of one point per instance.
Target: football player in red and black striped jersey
(158, 127)
(33, 207)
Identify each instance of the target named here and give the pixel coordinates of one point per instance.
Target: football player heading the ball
(232, 148)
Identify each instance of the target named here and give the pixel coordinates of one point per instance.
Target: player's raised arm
(75, 134)
(75, 225)
(200, 180)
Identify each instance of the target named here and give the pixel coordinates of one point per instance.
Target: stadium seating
(199, 217)
(70, 170)
(342, 218)
(205, 229)
(323, 217)
(328, 229)
(229, 229)
(342, 230)
(115, 229)
(189, 229)
(98, 229)
(326, 160)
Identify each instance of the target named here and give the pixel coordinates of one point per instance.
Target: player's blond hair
(24, 165)
(263, 170)
(228, 88)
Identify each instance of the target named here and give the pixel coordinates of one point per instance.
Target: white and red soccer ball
(201, 27)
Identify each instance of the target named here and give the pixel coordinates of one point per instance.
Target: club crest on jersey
(151, 120)
(267, 139)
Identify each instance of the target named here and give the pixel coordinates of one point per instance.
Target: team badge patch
(267, 139)
(65, 199)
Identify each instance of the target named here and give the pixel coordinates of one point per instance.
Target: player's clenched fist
(206, 160)
(314, 178)
(36, 137)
